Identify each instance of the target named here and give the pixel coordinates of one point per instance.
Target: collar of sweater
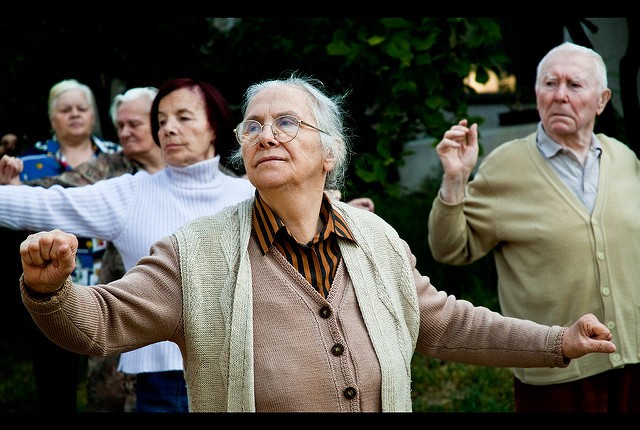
(203, 174)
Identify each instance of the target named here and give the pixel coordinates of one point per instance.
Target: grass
(453, 387)
(17, 384)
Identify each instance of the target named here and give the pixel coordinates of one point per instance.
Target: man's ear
(605, 96)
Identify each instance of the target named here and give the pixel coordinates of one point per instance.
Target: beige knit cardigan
(218, 306)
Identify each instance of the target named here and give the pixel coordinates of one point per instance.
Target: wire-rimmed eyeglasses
(284, 128)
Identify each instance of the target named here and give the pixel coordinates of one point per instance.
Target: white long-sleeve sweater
(132, 211)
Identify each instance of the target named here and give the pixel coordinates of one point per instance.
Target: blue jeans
(161, 392)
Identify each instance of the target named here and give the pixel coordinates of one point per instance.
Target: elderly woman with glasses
(288, 301)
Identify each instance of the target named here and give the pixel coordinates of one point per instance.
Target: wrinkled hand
(48, 258)
(458, 149)
(458, 152)
(363, 203)
(10, 169)
(587, 335)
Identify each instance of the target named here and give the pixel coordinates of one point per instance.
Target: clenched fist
(48, 258)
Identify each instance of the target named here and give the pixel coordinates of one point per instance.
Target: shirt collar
(550, 147)
(266, 223)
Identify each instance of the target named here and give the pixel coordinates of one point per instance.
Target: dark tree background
(111, 55)
(138, 52)
(146, 52)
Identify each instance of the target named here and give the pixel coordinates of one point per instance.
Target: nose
(561, 92)
(169, 126)
(264, 129)
(124, 131)
(267, 136)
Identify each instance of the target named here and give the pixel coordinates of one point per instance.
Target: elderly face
(134, 127)
(72, 117)
(296, 165)
(186, 137)
(568, 99)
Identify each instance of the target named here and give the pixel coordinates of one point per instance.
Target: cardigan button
(325, 312)
(350, 393)
(337, 349)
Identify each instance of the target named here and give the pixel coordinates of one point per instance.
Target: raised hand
(363, 203)
(458, 152)
(10, 169)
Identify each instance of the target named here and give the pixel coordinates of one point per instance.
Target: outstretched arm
(74, 316)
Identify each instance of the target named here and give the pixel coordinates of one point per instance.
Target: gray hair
(328, 114)
(148, 93)
(565, 48)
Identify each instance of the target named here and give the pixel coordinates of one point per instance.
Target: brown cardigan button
(337, 349)
(325, 312)
(350, 392)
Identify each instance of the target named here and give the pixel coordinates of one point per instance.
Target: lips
(262, 160)
(559, 114)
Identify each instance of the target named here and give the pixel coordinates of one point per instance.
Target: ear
(329, 161)
(605, 96)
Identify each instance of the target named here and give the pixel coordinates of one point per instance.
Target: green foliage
(17, 390)
(17, 381)
(414, 70)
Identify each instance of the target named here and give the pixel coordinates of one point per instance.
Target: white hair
(328, 114)
(566, 48)
(149, 93)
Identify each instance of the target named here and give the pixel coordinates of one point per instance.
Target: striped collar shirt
(317, 260)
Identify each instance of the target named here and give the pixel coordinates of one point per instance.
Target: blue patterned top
(45, 159)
